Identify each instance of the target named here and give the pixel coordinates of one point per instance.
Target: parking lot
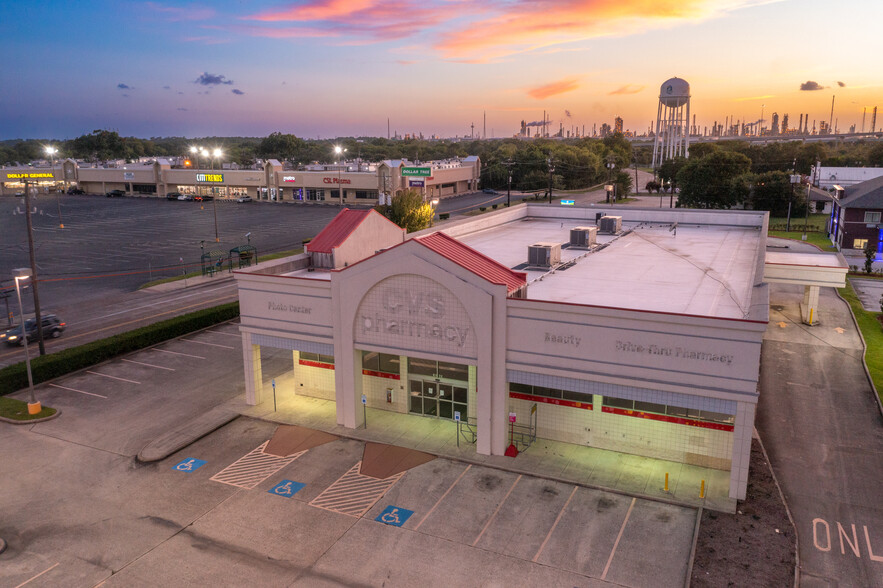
(113, 245)
(80, 509)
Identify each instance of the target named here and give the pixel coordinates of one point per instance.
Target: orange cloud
(553, 89)
(627, 89)
(320, 10)
(529, 25)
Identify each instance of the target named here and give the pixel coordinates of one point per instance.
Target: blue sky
(326, 68)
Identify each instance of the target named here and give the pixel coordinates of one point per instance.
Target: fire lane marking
(253, 468)
(353, 493)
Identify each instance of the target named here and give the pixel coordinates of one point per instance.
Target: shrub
(444, 216)
(494, 206)
(47, 367)
(482, 208)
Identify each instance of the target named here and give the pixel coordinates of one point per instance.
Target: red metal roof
(478, 263)
(337, 231)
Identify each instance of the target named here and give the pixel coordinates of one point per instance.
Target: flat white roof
(704, 270)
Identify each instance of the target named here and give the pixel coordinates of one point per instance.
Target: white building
(643, 339)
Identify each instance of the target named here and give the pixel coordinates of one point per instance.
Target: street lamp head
(194, 149)
(217, 153)
(204, 153)
(435, 201)
(338, 149)
(51, 150)
(21, 273)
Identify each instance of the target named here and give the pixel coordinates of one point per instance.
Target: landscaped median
(48, 367)
(16, 411)
(872, 331)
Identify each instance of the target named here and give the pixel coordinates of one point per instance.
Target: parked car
(489, 191)
(115, 194)
(244, 199)
(73, 190)
(173, 196)
(52, 327)
(202, 198)
(185, 197)
(20, 194)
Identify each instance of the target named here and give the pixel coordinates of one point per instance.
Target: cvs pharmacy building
(639, 339)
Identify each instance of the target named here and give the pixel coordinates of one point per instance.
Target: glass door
(437, 399)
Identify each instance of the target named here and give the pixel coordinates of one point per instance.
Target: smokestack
(485, 124)
(387, 129)
(874, 120)
(864, 112)
(831, 120)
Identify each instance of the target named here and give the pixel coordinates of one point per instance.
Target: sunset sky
(329, 68)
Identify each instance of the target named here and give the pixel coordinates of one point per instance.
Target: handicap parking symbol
(286, 488)
(190, 464)
(395, 516)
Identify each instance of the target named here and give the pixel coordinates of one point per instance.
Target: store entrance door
(439, 399)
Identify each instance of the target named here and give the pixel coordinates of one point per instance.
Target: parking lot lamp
(51, 151)
(434, 202)
(23, 273)
(195, 151)
(806, 216)
(339, 151)
(216, 153)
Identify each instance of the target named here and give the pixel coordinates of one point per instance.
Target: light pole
(51, 151)
(609, 189)
(610, 166)
(216, 153)
(795, 179)
(806, 216)
(195, 151)
(434, 203)
(339, 150)
(23, 273)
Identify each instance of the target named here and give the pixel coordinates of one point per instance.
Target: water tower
(672, 120)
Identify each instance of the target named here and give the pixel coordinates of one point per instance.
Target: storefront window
(365, 194)
(315, 194)
(318, 357)
(380, 362)
(674, 411)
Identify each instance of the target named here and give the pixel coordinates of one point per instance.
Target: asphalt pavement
(823, 430)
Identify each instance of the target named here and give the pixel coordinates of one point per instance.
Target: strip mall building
(642, 337)
(343, 183)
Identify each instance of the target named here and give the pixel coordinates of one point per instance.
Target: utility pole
(551, 169)
(636, 176)
(508, 165)
(37, 315)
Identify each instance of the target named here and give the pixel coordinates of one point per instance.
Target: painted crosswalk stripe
(253, 468)
(354, 494)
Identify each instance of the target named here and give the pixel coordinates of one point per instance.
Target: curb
(689, 579)
(176, 440)
(2, 545)
(31, 422)
(864, 351)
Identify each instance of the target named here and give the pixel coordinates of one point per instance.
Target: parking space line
(434, 506)
(237, 335)
(112, 377)
(555, 524)
(618, 537)
(178, 353)
(204, 343)
(253, 468)
(493, 516)
(160, 367)
(354, 493)
(75, 390)
(38, 575)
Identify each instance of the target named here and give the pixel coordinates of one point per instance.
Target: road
(821, 426)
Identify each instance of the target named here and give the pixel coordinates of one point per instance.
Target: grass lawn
(17, 410)
(820, 240)
(814, 222)
(872, 331)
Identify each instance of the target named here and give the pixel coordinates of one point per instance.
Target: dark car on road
(75, 191)
(489, 191)
(52, 327)
(204, 197)
(115, 194)
(172, 195)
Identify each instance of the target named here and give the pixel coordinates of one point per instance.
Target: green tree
(869, 257)
(283, 146)
(875, 155)
(772, 191)
(623, 182)
(668, 170)
(408, 210)
(717, 180)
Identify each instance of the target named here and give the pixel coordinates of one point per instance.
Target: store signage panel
(288, 179)
(128, 175)
(415, 312)
(423, 172)
(285, 308)
(211, 178)
(416, 183)
(698, 354)
(30, 176)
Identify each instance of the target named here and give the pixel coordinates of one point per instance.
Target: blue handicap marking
(286, 488)
(190, 464)
(395, 516)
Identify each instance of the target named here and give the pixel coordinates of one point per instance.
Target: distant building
(856, 217)
(617, 125)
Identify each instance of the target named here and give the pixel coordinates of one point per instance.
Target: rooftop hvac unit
(544, 254)
(583, 236)
(610, 224)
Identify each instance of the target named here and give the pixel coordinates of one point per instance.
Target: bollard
(666, 481)
(702, 489)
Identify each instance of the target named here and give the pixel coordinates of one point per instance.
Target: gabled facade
(857, 217)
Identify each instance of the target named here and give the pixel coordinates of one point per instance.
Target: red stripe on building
(556, 401)
(667, 418)
(318, 364)
(381, 375)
